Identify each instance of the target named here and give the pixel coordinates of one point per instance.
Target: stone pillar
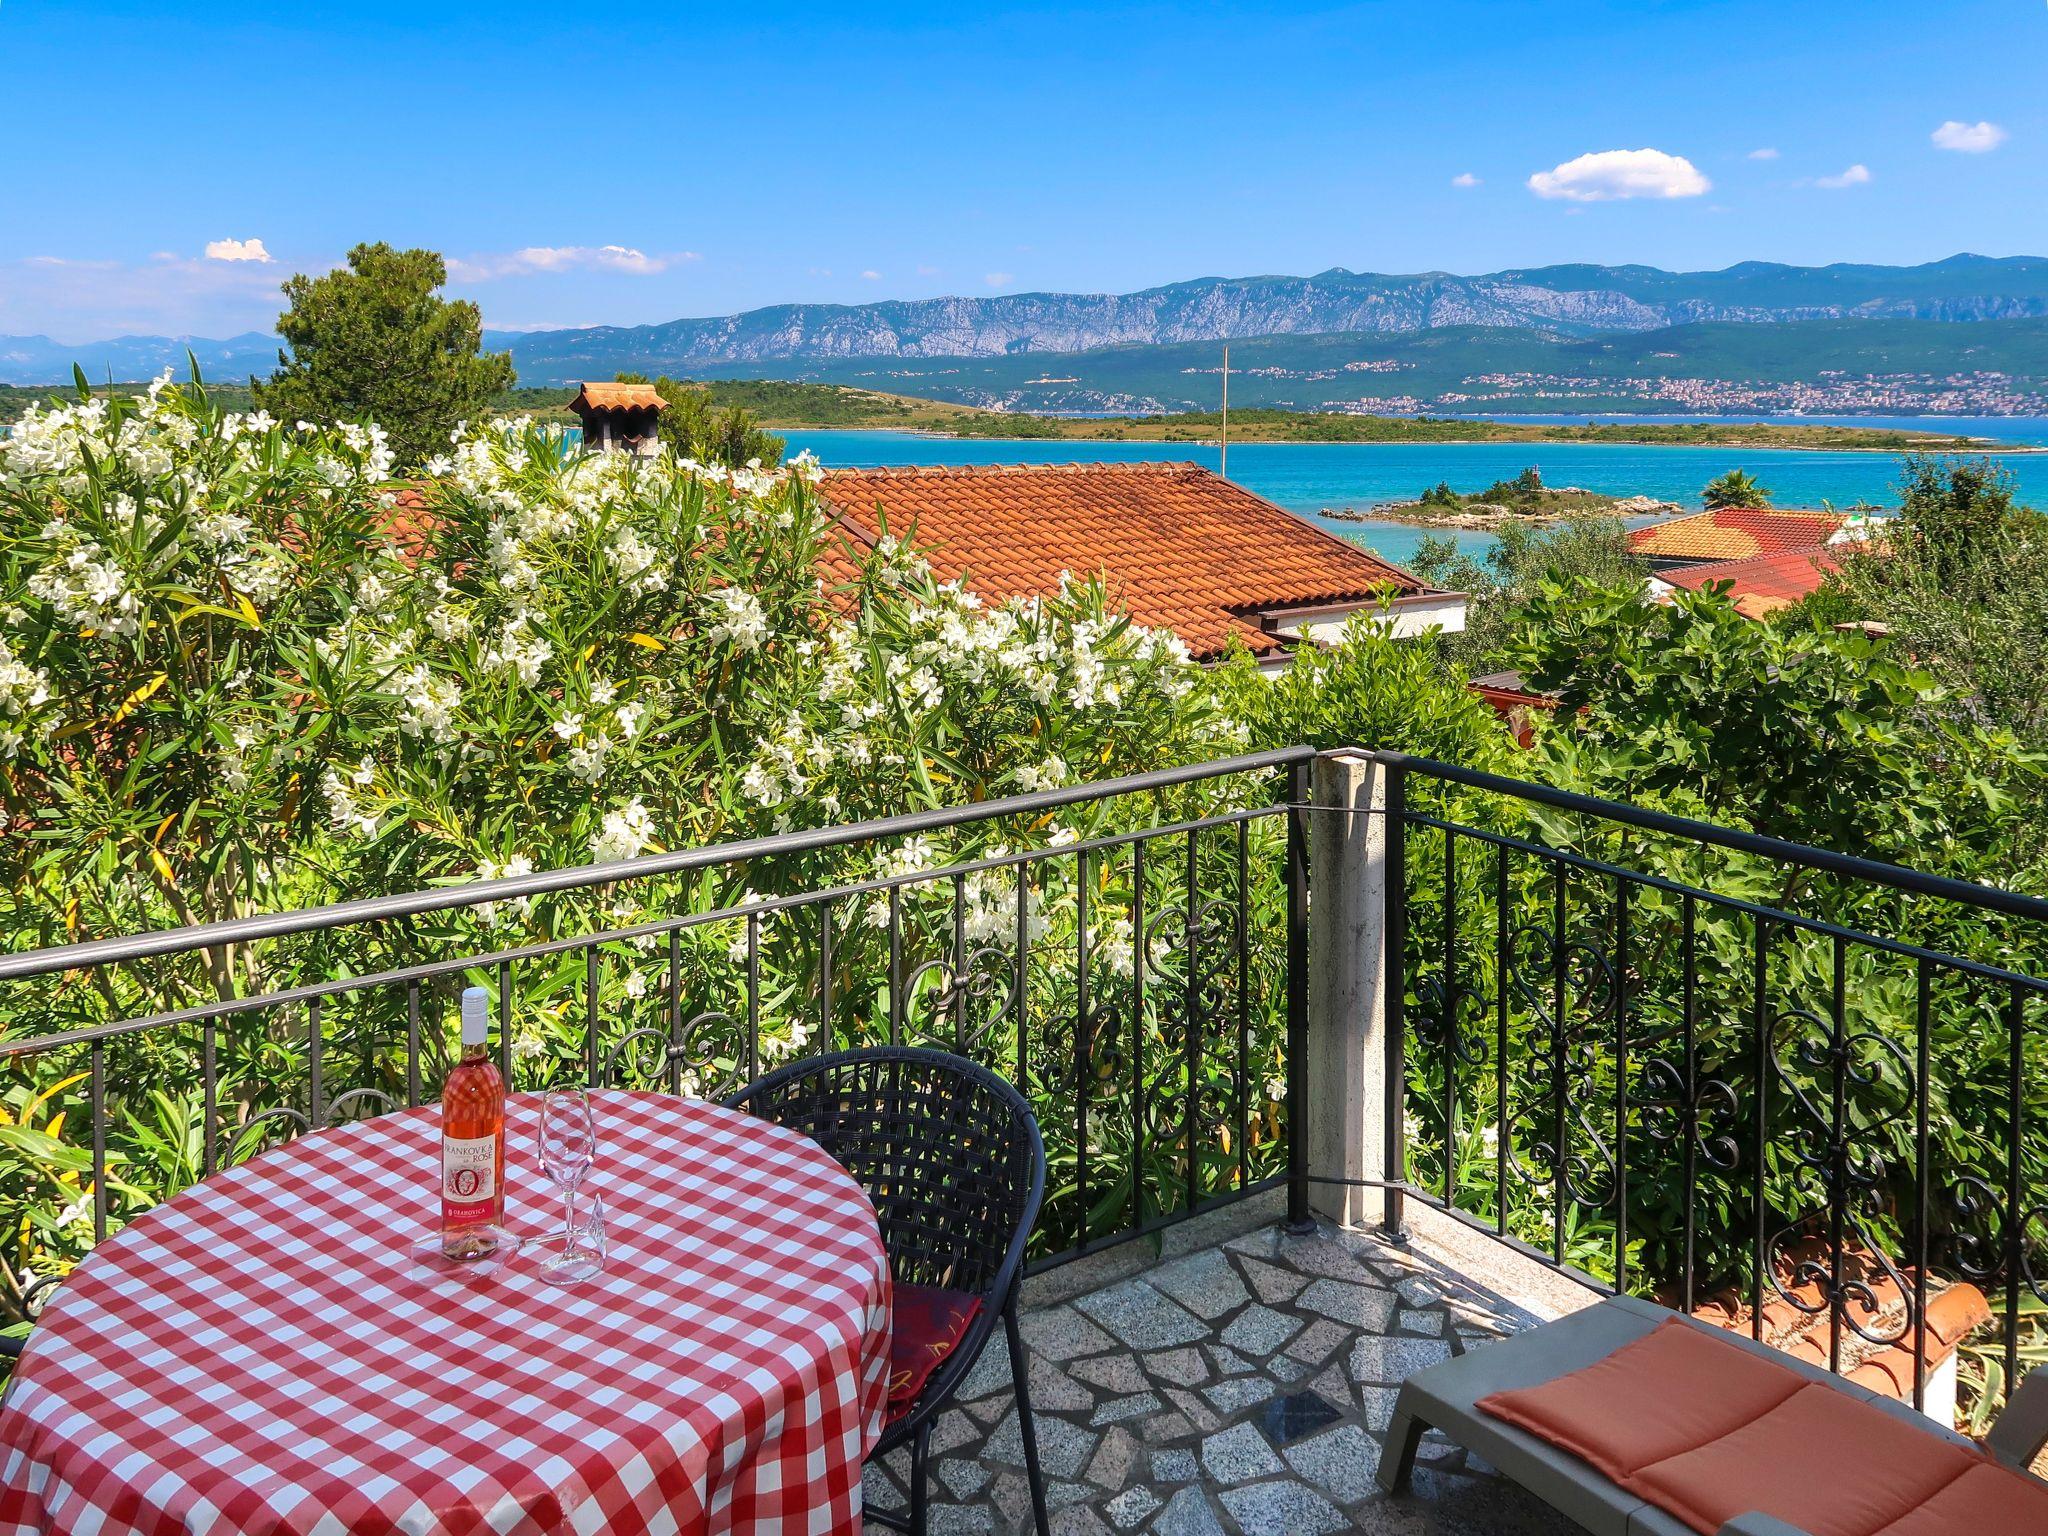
(1347, 1055)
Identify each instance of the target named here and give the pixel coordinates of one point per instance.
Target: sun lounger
(1446, 1397)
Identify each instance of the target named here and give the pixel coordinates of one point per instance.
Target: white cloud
(1612, 174)
(80, 299)
(236, 250)
(1968, 138)
(924, 271)
(1464, 179)
(999, 279)
(1856, 176)
(871, 276)
(1763, 154)
(532, 260)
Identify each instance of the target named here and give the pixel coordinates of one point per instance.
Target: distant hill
(1565, 300)
(39, 360)
(1997, 367)
(1602, 337)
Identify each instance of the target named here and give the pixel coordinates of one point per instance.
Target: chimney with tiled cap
(620, 417)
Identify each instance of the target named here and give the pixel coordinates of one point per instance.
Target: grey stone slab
(1424, 1321)
(1131, 1506)
(1117, 1410)
(1394, 1360)
(1260, 1331)
(1188, 1513)
(1063, 1448)
(988, 1409)
(1261, 1243)
(1271, 1282)
(1119, 1374)
(1202, 1282)
(1319, 1342)
(1238, 1455)
(1228, 1361)
(1114, 1460)
(961, 1476)
(1165, 1428)
(1348, 1302)
(1239, 1393)
(1421, 1291)
(951, 1430)
(1053, 1390)
(960, 1519)
(1060, 1333)
(1340, 1462)
(1327, 1256)
(1174, 1467)
(1180, 1367)
(1378, 1403)
(989, 1375)
(1078, 1521)
(1335, 1385)
(1286, 1370)
(1198, 1413)
(1141, 1317)
(1282, 1508)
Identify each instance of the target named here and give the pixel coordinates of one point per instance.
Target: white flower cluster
(736, 616)
(626, 832)
(23, 691)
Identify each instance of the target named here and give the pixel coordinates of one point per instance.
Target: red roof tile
(1735, 533)
(1762, 585)
(1179, 547)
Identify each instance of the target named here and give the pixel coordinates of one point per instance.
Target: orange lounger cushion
(1675, 1388)
(1987, 1500)
(1821, 1460)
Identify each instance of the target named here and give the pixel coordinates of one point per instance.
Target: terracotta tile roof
(1735, 534)
(1762, 585)
(1179, 547)
(614, 397)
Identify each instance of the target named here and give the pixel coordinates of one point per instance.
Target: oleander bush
(246, 671)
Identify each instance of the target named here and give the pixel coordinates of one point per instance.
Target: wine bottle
(473, 1140)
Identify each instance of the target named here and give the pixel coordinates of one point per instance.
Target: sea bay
(1316, 479)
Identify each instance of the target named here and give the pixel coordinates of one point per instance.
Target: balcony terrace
(1345, 1063)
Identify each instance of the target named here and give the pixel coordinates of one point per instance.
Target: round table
(259, 1355)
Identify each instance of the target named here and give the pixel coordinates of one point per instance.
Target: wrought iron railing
(1139, 982)
(1669, 1057)
(1687, 1061)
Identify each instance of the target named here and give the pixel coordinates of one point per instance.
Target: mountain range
(1561, 302)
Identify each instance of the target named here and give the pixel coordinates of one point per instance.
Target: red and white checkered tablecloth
(258, 1357)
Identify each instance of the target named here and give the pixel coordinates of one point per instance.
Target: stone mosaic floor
(1242, 1390)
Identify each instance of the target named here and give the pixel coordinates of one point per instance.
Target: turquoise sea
(1316, 478)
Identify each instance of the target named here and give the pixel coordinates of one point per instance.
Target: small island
(1524, 499)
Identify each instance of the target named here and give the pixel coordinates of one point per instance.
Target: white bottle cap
(476, 1016)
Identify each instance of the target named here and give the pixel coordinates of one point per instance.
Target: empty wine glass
(582, 1251)
(567, 1147)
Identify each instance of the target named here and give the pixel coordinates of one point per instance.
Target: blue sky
(585, 163)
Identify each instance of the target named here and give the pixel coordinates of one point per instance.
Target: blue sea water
(1317, 478)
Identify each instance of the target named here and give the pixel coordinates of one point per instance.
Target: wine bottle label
(469, 1178)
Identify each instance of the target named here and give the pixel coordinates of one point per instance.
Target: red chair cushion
(926, 1324)
(1675, 1388)
(1986, 1499)
(1821, 1460)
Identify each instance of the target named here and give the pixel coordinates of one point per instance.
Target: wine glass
(567, 1147)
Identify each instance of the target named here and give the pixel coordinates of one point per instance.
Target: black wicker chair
(951, 1158)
